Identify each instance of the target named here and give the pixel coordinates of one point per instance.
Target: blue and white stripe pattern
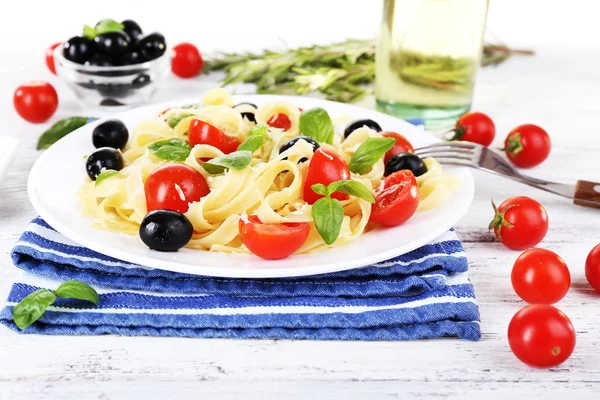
(422, 294)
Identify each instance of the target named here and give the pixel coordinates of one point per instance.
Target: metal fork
(473, 155)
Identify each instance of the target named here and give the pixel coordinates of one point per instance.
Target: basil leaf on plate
(317, 124)
(256, 138)
(328, 214)
(32, 307)
(77, 290)
(368, 153)
(353, 188)
(171, 149)
(61, 129)
(319, 188)
(236, 160)
(173, 121)
(104, 175)
(108, 25)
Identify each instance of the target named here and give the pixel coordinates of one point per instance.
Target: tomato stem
(515, 146)
(459, 131)
(499, 219)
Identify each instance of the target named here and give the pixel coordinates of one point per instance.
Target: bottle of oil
(427, 58)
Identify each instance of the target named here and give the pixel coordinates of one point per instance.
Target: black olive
(104, 158)
(78, 49)
(408, 161)
(112, 133)
(100, 60)
(287, 145)
(111, 103)
(152, 46)
(132, 29)
(113, 44)
(369, 123)
(141, 81)
(247, 110)
(131, 58)
(166, 230)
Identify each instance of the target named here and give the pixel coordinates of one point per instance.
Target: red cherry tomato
(201, 132)
(280, 121)
(173, 187)
(592, 268)
(402, 145)
(520, 222)
(50, 57)
(396, 199)
(186, 61)
(540, 276)
(541, 336)
(272, 241)
(527, 145)
(35, 101)
(475, 127)
(325, 167)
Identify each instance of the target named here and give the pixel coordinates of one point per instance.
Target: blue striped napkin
(423, 294)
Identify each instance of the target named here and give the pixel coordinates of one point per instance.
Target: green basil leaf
(319, 188)
(256, 138)
(61, 129)
(353, 188)
(236, 160)
(328, 214)
(77, 290)
(108, 25)
(171, 149)
(89, 32)
(369, 153)
(173, 121)
(104, 175)
(32, 307)
(317, 124)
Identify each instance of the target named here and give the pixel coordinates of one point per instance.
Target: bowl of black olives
(113, 64)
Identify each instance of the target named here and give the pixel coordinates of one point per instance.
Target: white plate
(8, 150)
(59, 173)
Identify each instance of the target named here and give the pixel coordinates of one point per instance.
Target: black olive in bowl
(152, 46)
(112, 44)
(132, 29)
(78, 49)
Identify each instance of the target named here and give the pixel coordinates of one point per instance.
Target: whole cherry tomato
(325, 167)
(186, 61)
(592, 268)
(280, 121)
(402, 145)
(475, 127)
(272, 241)
(50, 57)
(527, 145)
(520, 222)
(201, 132)
(396, 199)
(173, 187)
(540, 276)
(35, 101)
(541, 336)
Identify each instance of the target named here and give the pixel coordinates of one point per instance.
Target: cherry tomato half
(592, 268)
(272, 241)
(50, 57)
(541, 336)
(201, 132)
(402, 145)
(475, 127)
(527, 145)
(520, 222)
(186, 61)
(325, 167)
(396, 199)
(173, 187)
(35, 101)
(540, 276)
(280, 121)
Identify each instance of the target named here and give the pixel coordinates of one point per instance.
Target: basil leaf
(319, 188)
(352, 188)
(104, 175)
(61, 129)
(108, 25)
(171, 149)
(32, 307)
(369, 153)
(236, 160)
(256, 137)
(77, 290)
(317, 124)
(173, 121)
(328, 214)
(89, 32)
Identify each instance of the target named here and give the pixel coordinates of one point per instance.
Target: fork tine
(451, 145)
(447, 154)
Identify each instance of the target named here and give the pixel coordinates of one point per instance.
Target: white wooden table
(550, 89)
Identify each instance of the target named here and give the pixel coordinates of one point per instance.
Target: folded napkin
(423, 294)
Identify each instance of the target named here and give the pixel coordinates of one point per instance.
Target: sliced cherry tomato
(201, 132)
(592, 268)
(541, 336)
(35, 101)
(173, 187)
(325, 167)
(280, 121)
(520, 222)
(186, 61)
(540, 276)
(272, 241)
(396, 199)
(475, 127)
(527, 145)
(402, 145)
(50, 57)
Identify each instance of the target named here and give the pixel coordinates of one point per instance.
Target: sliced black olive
(247, 110)
(132, 29)
(153, 46)
(112, 133)
(369, 123)
(100, 60)
(78, 49)
(104, 158)
(166, 230)
(113, 44)
(408, 161)
(131, 58)
(287, 145)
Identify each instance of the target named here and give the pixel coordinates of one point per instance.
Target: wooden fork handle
(587, 194)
